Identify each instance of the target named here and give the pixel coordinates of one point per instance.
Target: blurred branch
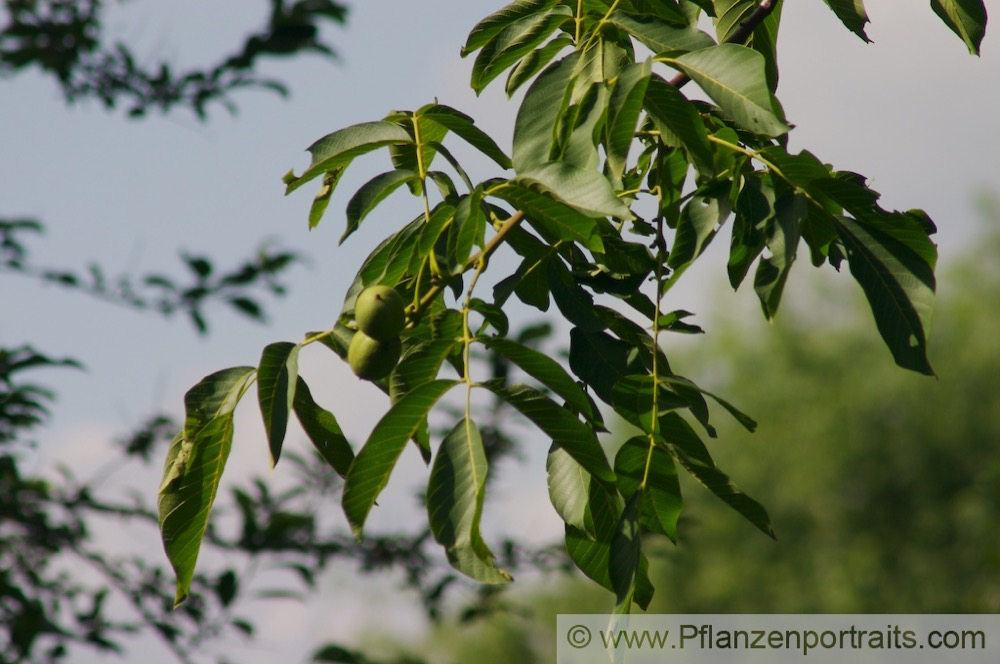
(157, 292)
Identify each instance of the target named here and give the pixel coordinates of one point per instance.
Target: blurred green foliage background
(883, 485)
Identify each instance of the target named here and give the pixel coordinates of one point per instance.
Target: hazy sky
(913, 112)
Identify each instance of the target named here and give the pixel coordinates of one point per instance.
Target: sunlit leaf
(735, 78)
(584, 190)
(513, 42)
(490, 26)
(554, 219)
(538, 116)
(534, 62)
(966, 18)
(673, 113)
(660, 36)
(625, 107)
(852, 14)
(194, 466)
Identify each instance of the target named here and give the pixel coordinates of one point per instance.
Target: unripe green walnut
(371, 359)
(380, 312)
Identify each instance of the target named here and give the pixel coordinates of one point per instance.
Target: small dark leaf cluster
(65, 38)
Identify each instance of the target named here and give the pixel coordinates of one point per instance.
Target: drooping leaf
(688, 449)
(455, 493)
(560, 425)
(582, 127)
(966, 18)
(754, 209)
(599, 360)
(374, 462)
(370, 194)
(852, 14)
(337, 150)
(464, 126)
(322, 429)
(735, 78)
(545, 370)
(194, 466)
(899, 285)
(584, 190)
(276, 381)
(471, 561)
(323, 196)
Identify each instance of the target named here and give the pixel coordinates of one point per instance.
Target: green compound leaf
(899, 285)
(194, 466)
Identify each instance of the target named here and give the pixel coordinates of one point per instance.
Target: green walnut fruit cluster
(375, 348)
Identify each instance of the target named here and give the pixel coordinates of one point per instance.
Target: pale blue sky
(913, 112)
